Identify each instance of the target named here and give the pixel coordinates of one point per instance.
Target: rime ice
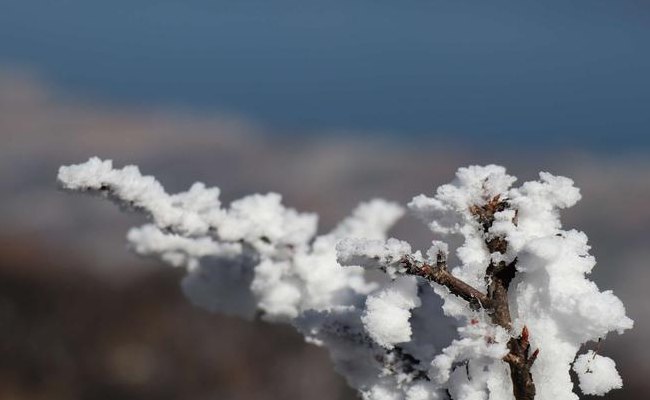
(597, 374)
(258, 257)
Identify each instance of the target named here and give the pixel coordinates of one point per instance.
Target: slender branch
(440, 274)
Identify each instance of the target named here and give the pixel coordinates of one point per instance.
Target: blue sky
(534, 73)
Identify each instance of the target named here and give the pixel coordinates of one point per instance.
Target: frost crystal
(520, 295)
(386, 318)
(597, 374)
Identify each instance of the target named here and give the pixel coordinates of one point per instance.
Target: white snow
(386, 318)
(372, 253)
(597, 374)
(258, 257)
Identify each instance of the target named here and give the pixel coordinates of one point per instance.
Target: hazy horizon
(523, 75)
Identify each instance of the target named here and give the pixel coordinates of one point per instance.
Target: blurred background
(327, 102)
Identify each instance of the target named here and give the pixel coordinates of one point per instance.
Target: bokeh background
(327, 102)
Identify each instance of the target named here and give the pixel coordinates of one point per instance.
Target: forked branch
(495, 302)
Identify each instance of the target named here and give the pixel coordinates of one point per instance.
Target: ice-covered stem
(440, 274)
(498, 276)
(129, 188)
(520, 361)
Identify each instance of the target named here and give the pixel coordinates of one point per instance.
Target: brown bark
(495, 302)
(520, 361)
(441, 275)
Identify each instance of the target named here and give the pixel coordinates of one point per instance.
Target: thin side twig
(440, 274)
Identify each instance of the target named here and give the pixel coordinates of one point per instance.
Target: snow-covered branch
(519, 295)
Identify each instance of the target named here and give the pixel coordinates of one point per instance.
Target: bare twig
(520, 361)
(440, 274)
